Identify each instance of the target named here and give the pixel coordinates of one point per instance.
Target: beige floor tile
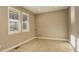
(42, 45)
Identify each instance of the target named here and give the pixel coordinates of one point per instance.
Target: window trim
(27, 22)
(18, 21)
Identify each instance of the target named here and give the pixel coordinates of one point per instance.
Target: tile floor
(43, 45)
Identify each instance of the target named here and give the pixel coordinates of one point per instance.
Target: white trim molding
(8, 49)
(60, 39)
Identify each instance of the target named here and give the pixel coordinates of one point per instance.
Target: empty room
(39, 29)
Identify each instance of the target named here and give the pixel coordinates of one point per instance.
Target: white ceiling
(43, 9)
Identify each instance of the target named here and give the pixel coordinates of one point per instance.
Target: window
(25, 22)
(13, 20)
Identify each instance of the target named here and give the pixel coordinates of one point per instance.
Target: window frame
(14, 20)
(27, 22)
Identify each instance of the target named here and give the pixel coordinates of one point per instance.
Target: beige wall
(10, 40)
(52, 25)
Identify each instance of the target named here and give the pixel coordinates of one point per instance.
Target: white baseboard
(8, 49)
(61, 39)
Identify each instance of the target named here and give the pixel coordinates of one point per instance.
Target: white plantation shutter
(25, 22)
(73, 41)
(77, 44)
(13, 20)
